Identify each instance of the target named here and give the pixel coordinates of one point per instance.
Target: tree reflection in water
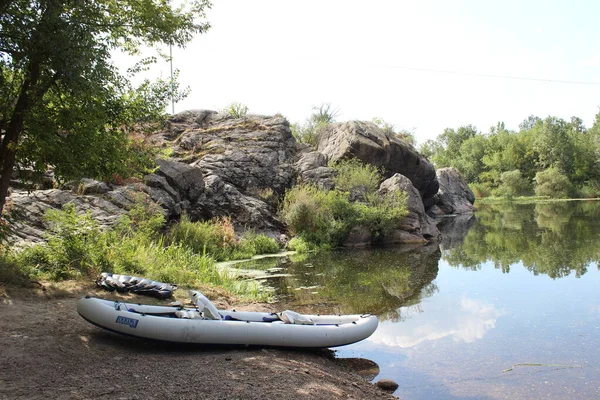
(554, 239)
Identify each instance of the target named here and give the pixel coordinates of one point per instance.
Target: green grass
(77, 248)
(526, 200)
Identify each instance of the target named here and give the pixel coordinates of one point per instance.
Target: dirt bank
(49, 352)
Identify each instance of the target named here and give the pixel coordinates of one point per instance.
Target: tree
(62, 102)
(450, 141)
(552, 183)
(513, 184)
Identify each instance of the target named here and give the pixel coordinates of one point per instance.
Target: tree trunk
(13, 131)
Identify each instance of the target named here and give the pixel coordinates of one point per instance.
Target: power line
(521, 78)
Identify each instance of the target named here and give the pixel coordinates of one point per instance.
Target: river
(507, 306)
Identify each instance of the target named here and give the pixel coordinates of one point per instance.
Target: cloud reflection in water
(465, 321)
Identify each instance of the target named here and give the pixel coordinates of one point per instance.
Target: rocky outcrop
(454, 195)
(417, 227)
(252, 153)
(241, 167)
(30, 208)
(223, 166)
(312, 168)
(369, 143)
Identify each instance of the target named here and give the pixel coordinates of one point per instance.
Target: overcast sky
(422, 65)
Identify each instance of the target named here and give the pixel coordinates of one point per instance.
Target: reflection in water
(452, 320)
(454, 230)
(553, 239)
(378, 281)
(468, 322)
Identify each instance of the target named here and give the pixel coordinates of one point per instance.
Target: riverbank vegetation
(185, 254)
(324, 218)
(548, 157)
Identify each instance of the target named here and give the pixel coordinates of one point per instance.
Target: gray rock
(160, 182)
(91, 186)
(31, 207)
(367, 142)
(387, 384)
(417, 226)
(312, 168)
(223, 199)
(188, 181)
(454, 196)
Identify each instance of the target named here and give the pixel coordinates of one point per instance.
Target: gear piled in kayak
(134, 284)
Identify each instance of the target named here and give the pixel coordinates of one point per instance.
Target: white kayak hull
(237, 328)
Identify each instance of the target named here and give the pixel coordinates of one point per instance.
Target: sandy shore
(50, 352)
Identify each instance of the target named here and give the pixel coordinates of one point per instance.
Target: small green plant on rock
(236, 110)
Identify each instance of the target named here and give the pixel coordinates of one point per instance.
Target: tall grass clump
(77, 248)
(217, 238)
(325, 218)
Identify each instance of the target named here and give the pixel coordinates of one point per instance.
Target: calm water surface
(507, 307)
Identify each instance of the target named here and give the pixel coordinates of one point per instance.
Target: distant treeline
(546, 157)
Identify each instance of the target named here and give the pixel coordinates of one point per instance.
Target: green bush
(325, 218)
(299, 245)
(210, 237)
(318, 216)
(513, 184)
(480, 190)
(552, 183)
(588, 190)
(260, 244)
(354, 174)
(75, 244)
(11, 271)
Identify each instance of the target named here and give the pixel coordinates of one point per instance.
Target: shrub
(317, 216)
(75, 244)
(217, 238)
(10, 271)
(588, 190)
(481, 190)
(260, 244)
(310, 131)
(354, 174)
(513, 184)
(552, 183)
(78, 248)
(325, 218)
(209, 237)
(299, 245)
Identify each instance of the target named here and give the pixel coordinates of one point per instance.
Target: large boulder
(417, 226)
(312, 168)
(454, 196)
(223, 199)
(252, 153)
(369, 143)
(30, 207)
(225, 166)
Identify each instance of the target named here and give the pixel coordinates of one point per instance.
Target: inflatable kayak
(187, 325)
